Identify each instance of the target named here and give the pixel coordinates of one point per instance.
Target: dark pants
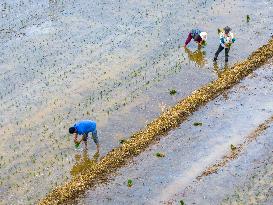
(94, 137)
(219, 51)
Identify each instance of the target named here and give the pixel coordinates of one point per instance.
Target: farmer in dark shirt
(83, 128)
(198, 36)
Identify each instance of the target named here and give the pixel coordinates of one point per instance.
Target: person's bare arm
(75, 138)
(98, 147)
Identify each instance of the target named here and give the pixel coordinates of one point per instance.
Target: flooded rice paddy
(111, 61)
(231, 118)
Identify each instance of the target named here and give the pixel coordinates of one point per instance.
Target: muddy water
(111, 61)
(247, 180)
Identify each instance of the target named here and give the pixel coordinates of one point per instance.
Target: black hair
(72, 130)
(227, 29)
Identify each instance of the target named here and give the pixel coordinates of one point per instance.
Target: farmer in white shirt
(226, 40)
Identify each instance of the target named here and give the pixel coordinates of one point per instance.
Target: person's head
(72, 130)
(227, 29)
(197, 38)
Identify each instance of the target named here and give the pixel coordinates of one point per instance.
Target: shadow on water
(198, 56)
(83, 163)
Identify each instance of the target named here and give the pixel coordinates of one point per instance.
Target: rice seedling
(247, 18)
(129, 182)
(160, 154)
(173, 92)
(197, 123)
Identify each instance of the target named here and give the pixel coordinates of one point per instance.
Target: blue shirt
(85, 126)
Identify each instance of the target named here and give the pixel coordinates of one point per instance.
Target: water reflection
(83, 163)
(219, 70)
(198, 56)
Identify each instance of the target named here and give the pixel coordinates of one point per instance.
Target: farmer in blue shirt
(83, 128)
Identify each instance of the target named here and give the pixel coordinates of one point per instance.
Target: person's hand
(185, 46)
(202, 43)
(98, 148)
(228, 45)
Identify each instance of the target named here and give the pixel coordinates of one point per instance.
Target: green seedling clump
(197, 124)
(182, 202)
(160, 154)
(204, 43)
(247, 18)
(173, 92)
(77, 145)
(130, 182)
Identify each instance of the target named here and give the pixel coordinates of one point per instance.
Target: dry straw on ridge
(139, 141)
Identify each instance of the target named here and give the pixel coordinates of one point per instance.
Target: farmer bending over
(198, 36)
(83, 128)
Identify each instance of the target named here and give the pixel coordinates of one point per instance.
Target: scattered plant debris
(232, 147)
(122, 141)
